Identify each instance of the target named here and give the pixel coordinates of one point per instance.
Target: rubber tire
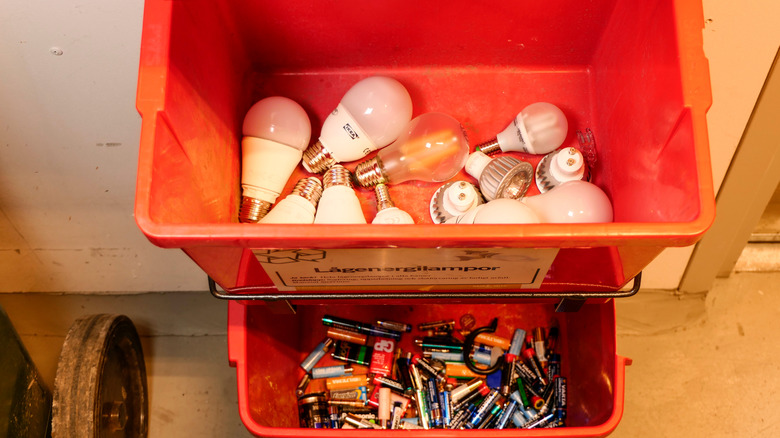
(77, 406)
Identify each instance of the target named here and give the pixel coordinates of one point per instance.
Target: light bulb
(560, 166)
(498, 211)
(433, 148)
(387, 212)
(540, 128)
(453, 199)
(276, 131)
(371, 115)
(501, 177)
(299, 206)
(338, 204)
(572, 202)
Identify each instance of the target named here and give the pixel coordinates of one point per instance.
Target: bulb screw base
(383, 200)
(337, 175)
(370, 173)
(489, 147)
(309, 189)
(317, 159)
(252, 210)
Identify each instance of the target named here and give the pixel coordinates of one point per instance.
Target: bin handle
(276, 296)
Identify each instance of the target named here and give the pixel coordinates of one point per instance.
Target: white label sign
(405, 268)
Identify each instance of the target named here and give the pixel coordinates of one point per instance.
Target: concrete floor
(703, 365)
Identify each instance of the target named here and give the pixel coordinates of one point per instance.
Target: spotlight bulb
(387, 212)
(501, 177)
(573, 202)
(276, 131)
(539, 128)
(371, 115)
(453, 199)
(560, 166)
(339, 204)
(299, 206)
(433, 148)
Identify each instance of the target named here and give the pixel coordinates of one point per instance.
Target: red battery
(383, 356)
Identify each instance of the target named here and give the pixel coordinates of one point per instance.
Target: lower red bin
(267, 347)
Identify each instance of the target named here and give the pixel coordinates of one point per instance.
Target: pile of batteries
(464, 378)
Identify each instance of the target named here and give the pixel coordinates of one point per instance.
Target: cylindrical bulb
(299, 206)
(276, 131)
(387, 212)
(338, 204)
(573, 202)
(371, 115)
(433, 148)
(540, 128)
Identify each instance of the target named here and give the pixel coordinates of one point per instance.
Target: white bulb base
(453, 199)
(560, 166)
(266, 166)
(339, 205)
(392, 215)
(293, 209)
(299, 207)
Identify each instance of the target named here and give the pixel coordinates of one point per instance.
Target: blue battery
(332, 371)
(447, 356)
(506, 415)
(316, 354)
(446, 407)
(518, 341)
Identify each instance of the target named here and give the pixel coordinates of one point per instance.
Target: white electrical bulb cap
(276, 131)
(560, 166)
(453, 199)
(339, 204)
(539, 128)
(371, 115)
(573, 202)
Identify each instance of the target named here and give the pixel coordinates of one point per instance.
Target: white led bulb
(540, 128)
(339, 204)
(299, 206)
(371, 115)
(572, 202)
(276, 131)
(387, 212)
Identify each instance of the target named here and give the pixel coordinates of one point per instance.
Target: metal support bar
(417, 295)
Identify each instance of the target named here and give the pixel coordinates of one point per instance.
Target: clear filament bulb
(433, 148)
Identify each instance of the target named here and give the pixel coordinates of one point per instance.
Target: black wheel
(100, 388)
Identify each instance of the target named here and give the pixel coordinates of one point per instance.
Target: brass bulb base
(489, 147)
(317, 159)
(337, 175)
(252, 210)
(309, 189)
(383, 200)
(370, 173)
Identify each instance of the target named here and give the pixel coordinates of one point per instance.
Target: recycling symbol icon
(282, 256)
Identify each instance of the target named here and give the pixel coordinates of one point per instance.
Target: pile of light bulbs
(376, 114)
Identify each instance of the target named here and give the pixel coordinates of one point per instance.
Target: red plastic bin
(632, 72)
(266, 349)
